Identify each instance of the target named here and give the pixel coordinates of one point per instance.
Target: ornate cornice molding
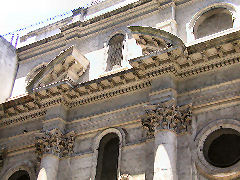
(180, 62)
(96, 24)
(167, 117)
(183, 62)
(22, 117)
(54, 142)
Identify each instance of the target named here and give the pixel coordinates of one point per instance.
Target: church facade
(125, 90)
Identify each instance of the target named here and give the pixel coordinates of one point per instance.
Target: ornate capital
(54, 142)
(161, 116)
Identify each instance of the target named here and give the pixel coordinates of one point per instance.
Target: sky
(17, 14)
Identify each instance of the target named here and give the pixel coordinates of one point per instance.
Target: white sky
(16, 14)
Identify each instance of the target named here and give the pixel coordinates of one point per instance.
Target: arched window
(115, 55)
(20, 175)
(213, 21)
(108, 152)
(221, 148)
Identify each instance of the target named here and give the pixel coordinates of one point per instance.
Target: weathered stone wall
(213, 94)
(97, 44)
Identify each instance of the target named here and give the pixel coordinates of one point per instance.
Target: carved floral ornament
(171, 117)
(54, 142)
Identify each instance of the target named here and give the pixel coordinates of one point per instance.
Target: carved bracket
(162, 116)
(54, 142)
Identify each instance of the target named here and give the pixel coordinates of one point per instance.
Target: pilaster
(51, 145)
(164, 122)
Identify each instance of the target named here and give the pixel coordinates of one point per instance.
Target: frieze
(54, 142)
(21, 118)
(170, 117)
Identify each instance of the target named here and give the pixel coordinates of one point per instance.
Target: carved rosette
(54, 142)
(175, 118)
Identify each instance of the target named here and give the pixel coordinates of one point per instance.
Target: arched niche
(212, 19)
(115, 51)
(20, 171)
(20, 175)
(108, 137)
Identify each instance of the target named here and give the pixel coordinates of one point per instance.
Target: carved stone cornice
(181, 61)
(22, 117)
(54, 142)
(168, 117)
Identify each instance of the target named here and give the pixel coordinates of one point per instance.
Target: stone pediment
(68, 65)
(152, 39)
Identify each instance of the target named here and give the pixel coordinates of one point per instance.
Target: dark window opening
(222, 148)
(115, 55)
(20, 175)
(108, 153)
(213, 21)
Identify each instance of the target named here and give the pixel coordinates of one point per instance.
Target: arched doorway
(19, 175)
(108, 152)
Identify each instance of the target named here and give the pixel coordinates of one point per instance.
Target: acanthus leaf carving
(171, 117)
(54, 142)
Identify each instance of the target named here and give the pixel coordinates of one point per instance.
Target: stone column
(165, 160)
(49, 167)
(50, 147)
(164, 122)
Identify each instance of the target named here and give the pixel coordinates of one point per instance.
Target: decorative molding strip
(12, 120)
(110, 94)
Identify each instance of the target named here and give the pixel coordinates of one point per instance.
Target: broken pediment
(152, 39)
(68, 65)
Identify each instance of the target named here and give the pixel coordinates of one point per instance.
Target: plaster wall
(8, 67)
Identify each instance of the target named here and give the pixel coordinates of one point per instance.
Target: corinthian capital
(54, 142)
(171, 117)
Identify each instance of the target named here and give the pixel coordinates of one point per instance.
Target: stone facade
(168, 106)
